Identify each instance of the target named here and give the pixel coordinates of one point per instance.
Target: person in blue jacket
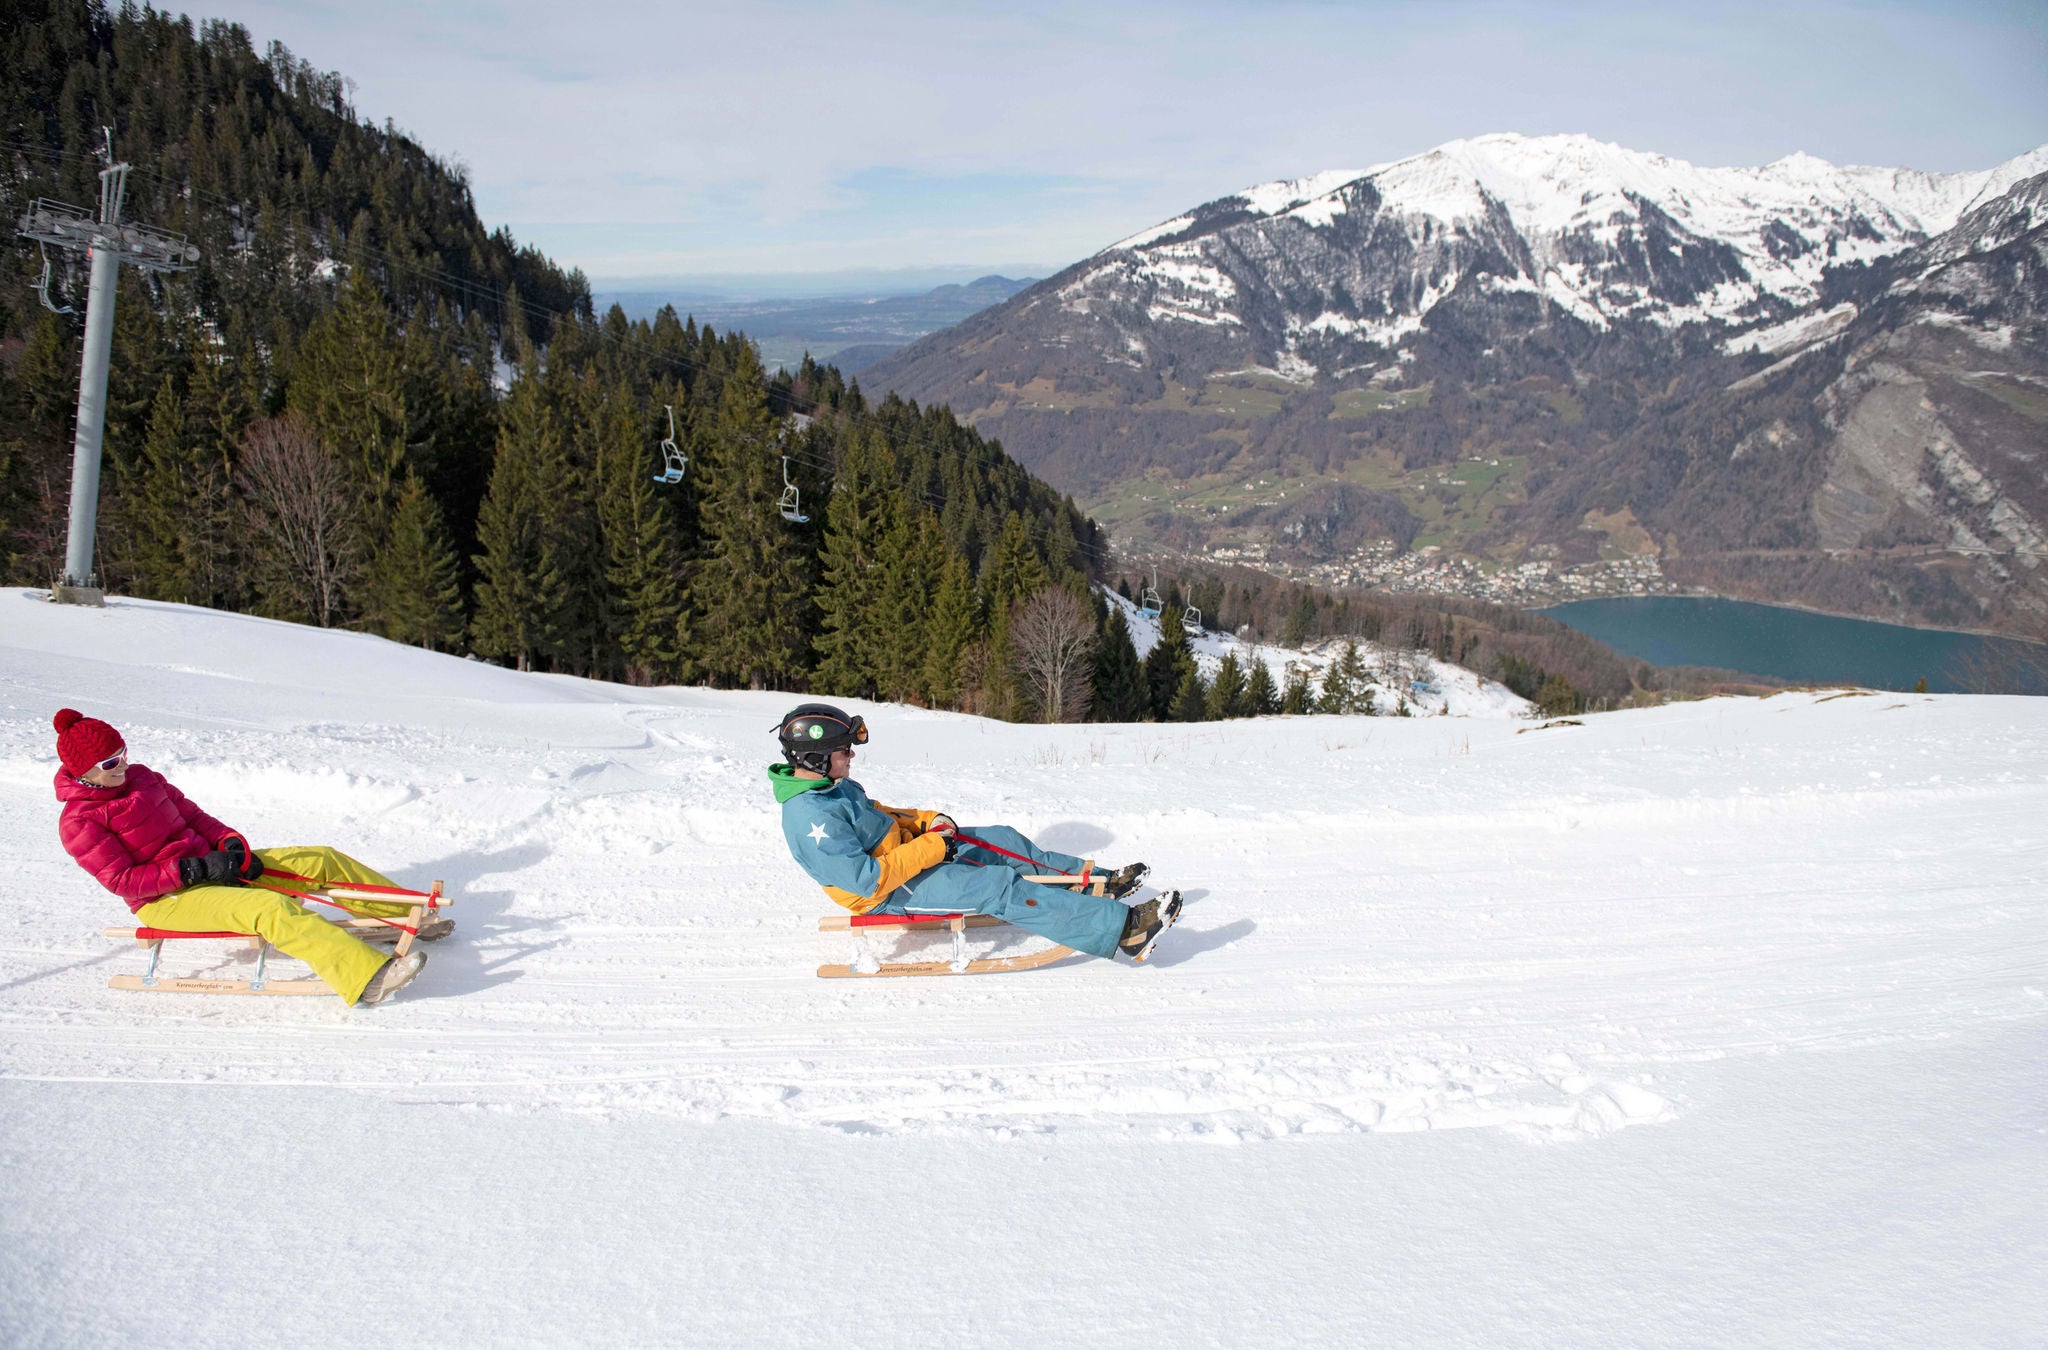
(876, 859)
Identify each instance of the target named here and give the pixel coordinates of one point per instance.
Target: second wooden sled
(957, 924)
(425, 903)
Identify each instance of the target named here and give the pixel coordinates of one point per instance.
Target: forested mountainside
(1536, 354)
(364, 408)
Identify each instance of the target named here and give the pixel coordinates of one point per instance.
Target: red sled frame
(369, 928)
(961, 964)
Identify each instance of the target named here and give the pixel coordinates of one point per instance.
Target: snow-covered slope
(1733, 1012)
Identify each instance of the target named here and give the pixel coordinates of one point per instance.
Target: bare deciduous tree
(302, 517)
(1054, 636)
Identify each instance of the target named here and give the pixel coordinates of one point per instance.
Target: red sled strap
(397, 892)
(993, 848)
(336, 904)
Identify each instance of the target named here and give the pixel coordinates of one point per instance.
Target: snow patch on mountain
(1799, 331)
(1603, 232)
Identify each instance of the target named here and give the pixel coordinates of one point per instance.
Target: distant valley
(851, 332)
(1540, 368)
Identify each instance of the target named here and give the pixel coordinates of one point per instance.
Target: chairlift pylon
(788, 505)
(674, 461)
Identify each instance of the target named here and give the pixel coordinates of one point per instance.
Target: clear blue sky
(682, 139)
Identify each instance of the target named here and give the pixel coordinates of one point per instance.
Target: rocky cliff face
(1794, 383)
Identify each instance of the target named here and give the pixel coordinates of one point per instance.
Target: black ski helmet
(810, 732)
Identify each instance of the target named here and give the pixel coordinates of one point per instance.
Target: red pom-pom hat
(82, 742)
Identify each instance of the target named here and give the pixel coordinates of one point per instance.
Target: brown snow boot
(1146, 922)
(1124, 880)
(392, 976)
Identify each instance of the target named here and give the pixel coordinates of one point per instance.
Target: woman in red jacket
(180, 869)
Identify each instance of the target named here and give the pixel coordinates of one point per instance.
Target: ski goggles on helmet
(824, 731)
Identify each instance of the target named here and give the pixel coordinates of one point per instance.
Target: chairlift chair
(1191, 621)
(1149, 603)
(673, 459)
(43, 286)
(788, 505)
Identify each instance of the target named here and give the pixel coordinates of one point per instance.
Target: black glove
(943, 827)
(215, 869)
(247, 865)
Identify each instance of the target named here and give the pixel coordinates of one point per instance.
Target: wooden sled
(958, 924)
(424, 904)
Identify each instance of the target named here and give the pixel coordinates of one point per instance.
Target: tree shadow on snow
(1183, 944)
(488, 939)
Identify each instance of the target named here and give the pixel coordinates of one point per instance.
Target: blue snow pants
(981, 882)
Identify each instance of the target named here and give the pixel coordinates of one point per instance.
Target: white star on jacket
(818, 834)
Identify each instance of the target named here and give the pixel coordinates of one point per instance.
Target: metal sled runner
(368, 928)
(958, 924)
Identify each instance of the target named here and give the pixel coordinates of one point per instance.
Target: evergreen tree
(951, 626)
(1298, 698)
(1346, 686)
(1261, 698)
(642, 570)
(1301, 621)
(1120, 691)
(1014, 573)
(1359, 679)
(525, 611)
(1226, 694)
(216, 408)
(1336, 694)
(1163, 666)
(749, 595)
(417, 598)
(349, 384)
(157, 507)
(1557, 698)
(913, 562)
(1191, 696)
(996, 693)
(853, 637)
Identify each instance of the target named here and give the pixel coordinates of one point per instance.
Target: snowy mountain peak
(1600, 231)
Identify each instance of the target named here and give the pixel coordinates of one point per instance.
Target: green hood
(788, 785)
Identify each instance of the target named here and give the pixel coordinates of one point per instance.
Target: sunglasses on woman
(112, 761)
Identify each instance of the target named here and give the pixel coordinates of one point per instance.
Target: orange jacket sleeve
(913, 822)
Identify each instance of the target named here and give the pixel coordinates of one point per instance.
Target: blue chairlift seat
(674, 462)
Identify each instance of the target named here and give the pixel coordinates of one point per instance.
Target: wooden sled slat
(166, 985)
(987, 965)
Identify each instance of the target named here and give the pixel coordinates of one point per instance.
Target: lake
(1792, 644)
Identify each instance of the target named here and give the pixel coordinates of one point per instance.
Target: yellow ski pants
(340, 958)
